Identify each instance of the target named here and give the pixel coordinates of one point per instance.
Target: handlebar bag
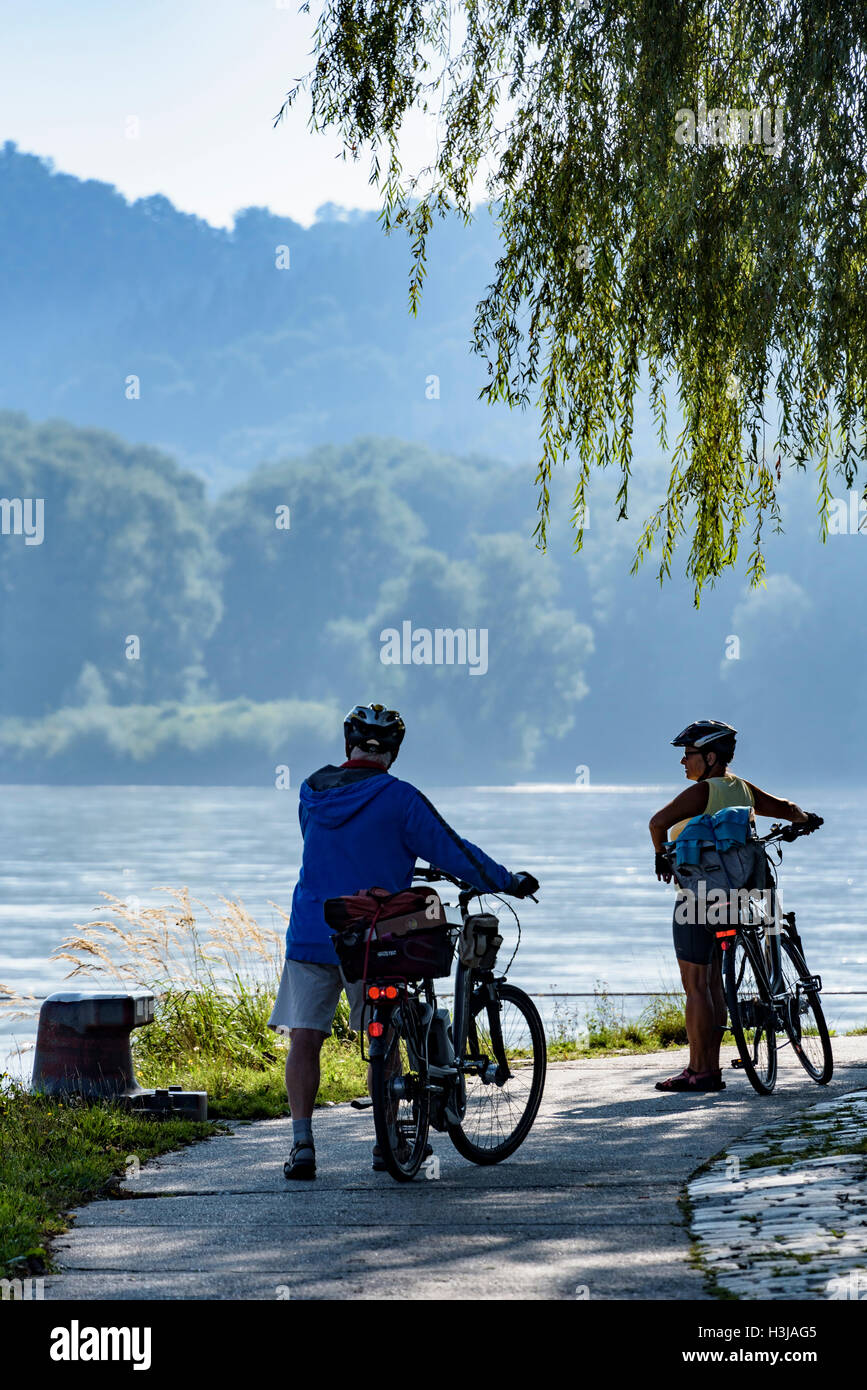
(480, 941)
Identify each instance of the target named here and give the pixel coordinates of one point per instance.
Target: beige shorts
(308, 996)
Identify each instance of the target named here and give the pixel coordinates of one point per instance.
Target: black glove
(802, 827)
(523, 885)
(662, 866)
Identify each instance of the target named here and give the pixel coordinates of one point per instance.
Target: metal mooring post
(83, 1049)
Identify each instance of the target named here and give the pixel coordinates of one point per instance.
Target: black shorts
(693, 941)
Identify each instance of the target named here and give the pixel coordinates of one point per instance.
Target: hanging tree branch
(679, 191)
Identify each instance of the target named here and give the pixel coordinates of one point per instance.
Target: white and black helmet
(704, 733)
(375, 728)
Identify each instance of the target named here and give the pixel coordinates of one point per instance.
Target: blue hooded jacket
(363, 828)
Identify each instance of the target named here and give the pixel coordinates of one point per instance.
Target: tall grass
(168, 948)
(605, 1027)
(214, 974)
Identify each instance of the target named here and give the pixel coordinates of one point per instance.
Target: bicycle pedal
(736, 1062)
(363, 1103)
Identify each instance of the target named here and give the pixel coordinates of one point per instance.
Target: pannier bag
(480, 941)
(722, 852)
(382, 935)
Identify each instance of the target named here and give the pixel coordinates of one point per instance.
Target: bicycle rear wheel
(501, 1101)
(401, 1105)
(803, 1017)
(751, 1016)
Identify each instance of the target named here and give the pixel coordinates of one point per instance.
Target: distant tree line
(156, 634)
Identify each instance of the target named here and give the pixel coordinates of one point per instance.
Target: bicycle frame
(761, 941)
(755, 942)
(385, 996)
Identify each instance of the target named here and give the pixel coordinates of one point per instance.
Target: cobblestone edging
(783, 1213)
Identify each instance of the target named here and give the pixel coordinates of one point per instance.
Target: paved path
(588, 1207)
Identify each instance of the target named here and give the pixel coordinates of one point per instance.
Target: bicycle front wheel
(803, 1017)
(502, 1100)
(751, 1016)
(401, 1107)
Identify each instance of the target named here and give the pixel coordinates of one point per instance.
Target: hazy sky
(203, 78)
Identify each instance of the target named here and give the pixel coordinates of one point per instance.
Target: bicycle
(769, 988)
(479, 1080)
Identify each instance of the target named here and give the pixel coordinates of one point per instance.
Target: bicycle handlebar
(432, 875)
(791, 832)
(467, 890)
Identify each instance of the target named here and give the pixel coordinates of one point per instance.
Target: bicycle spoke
(751, 1015)
(803, 1018)
(499, 1114)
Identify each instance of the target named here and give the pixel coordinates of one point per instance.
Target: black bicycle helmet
(375, 728)
(704, 733)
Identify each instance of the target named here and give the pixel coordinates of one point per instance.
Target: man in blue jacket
(361, 828)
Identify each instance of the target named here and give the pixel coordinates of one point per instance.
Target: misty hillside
(237, 360)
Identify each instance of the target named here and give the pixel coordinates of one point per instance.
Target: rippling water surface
(601, 916)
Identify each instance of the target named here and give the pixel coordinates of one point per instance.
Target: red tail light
(384, 992)
(375, 1030)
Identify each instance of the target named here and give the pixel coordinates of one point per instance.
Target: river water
(602, 917)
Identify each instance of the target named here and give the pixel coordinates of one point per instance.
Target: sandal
(301, 1162)
(689, 1080)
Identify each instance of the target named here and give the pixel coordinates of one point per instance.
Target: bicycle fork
(498, 1071)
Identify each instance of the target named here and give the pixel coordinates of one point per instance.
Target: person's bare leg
(302, 1071)
(700, 1017)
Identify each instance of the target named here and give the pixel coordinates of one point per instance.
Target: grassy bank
(214, 976)
(54, 1156)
